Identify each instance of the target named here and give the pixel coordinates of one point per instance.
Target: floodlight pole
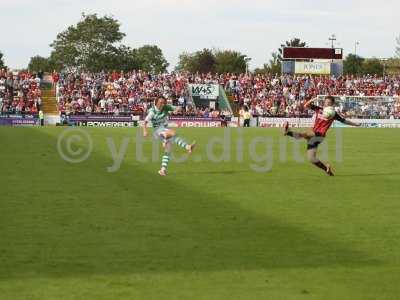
(247, 60)
(333, 38)
(383, 61)
(355, 47)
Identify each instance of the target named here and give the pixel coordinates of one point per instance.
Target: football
(329, 112)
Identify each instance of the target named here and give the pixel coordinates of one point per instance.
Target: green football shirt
(159, 118)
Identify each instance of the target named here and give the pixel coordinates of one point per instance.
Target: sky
(254, 27)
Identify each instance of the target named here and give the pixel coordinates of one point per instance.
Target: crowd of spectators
(121, 93)
(116, 93)
(285, 95)
(19, 93)
(265, 95)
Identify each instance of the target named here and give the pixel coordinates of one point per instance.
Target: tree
(151, 59)
(352, 65)
(263, 70)
(39, 63)
(294, 42)
(273, 66)
(124, 59)
(201, 61)
(89, 44)
(229, 61)
(46, 64)
(94, 44)
(185, 62)
(392, 66)
(207, 60)
(2, 65)
(372, 66)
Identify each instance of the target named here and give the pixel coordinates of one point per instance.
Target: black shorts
(315, 141)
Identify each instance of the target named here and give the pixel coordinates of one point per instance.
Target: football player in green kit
(158, 117)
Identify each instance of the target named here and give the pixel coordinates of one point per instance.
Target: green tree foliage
(263, 70)
(392, 66)
(2, 64)
(89, 44)
(94, 44)
(207, 60)
(272, 67)
(202, 61)
(38, 63)
(275, 64)
(352, 65)
(356, 65)
(46, 64)
(124, 59)
(186, 62)
(229, 61)
(151, 59)
(372, 66)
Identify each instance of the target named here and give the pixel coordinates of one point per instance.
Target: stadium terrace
(132, 93)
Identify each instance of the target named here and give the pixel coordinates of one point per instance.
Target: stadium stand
(265, 95)
(19, 93)
(115, 93)
(284, 95)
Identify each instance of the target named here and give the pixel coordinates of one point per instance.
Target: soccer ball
(329, 112)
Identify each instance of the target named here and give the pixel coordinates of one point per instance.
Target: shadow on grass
(78, 219)
(222, 172)
(368, 175)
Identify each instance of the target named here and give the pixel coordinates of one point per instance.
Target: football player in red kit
(321, 126)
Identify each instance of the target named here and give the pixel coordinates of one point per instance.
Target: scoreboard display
(312, 53)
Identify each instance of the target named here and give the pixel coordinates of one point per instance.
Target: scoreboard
(293, 53)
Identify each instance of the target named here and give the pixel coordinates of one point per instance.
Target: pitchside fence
(364, 107)
(378, 111)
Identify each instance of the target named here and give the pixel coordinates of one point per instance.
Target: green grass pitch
(208, 230)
